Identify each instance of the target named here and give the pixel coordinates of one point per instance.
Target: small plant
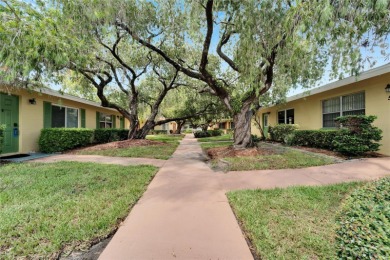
(364, 223)
(279, 132)
(357, 135)
(255, 139)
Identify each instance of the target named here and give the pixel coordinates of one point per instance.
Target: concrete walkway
(184, 214)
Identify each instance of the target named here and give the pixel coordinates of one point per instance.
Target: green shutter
(122, 122)
(82, 114)
(46, 115)
(97, 120)
(113, 121)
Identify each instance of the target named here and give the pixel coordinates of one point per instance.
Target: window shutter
(97, 120)
(122, 122)
(82, 115)
(46, 114)
(113, 121)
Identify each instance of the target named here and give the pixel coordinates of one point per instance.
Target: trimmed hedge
(216, 132)
(106, 135)
(2, 127)
(61, 139)
(158, 132)
(313, 138)
(280, 132)
(364, 223)
(201, 134)
(208, 133)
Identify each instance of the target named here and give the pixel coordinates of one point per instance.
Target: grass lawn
(291, 223)
(215, 138)
(288, 160)
(163, 152)
(46, 209)
(206, 146)
(269, 157)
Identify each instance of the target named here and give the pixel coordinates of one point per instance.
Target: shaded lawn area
(215, 138)
(49, 208)
(160, 151)
(265, 157)
(291, 223)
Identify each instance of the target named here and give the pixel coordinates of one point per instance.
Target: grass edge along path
(163, 152)
(291, 223)
(49, 209)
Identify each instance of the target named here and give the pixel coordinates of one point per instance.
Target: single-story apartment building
(25, 112)
(366, 94)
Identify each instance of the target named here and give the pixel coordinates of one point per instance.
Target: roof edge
(346, 81)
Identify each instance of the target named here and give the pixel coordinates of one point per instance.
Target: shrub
(255, 138)
(158, 132)
(106, 135)
(364, 223)
(279, 132)
(313, 138)
(201, 134)
(61, 139)
(216, 132)
(2, 128)
(357, 135)
(188, 131)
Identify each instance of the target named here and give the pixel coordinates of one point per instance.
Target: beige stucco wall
(308, 111)
(31, 116)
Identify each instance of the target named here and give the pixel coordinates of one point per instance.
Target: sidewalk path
(184, 214)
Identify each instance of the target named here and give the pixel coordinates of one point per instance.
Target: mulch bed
(221, 152)
(118, 145)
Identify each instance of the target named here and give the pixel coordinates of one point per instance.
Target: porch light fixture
(32, 101)
(387, 88)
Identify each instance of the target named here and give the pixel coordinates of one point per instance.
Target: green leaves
(364, 223)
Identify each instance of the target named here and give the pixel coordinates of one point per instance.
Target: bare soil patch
(221, 152)
(118, 145)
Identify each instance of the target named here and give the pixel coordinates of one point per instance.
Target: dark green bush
(216, 132)
(357, 135)
(313, 138)
(255, 138)
(106, 135)
(279, 132)
(2, 127)
(201, 134)
(61, 139)
(364, 223)
(158, 132)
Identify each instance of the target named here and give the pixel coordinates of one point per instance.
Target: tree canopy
(238, 51)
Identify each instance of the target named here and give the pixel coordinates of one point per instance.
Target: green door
(9, 116)
(265, 125)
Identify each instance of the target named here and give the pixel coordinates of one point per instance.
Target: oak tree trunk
(242, 127)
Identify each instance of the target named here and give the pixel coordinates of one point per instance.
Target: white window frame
(285, 115)
(341, 112)
(105, 121)
(66, 118)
